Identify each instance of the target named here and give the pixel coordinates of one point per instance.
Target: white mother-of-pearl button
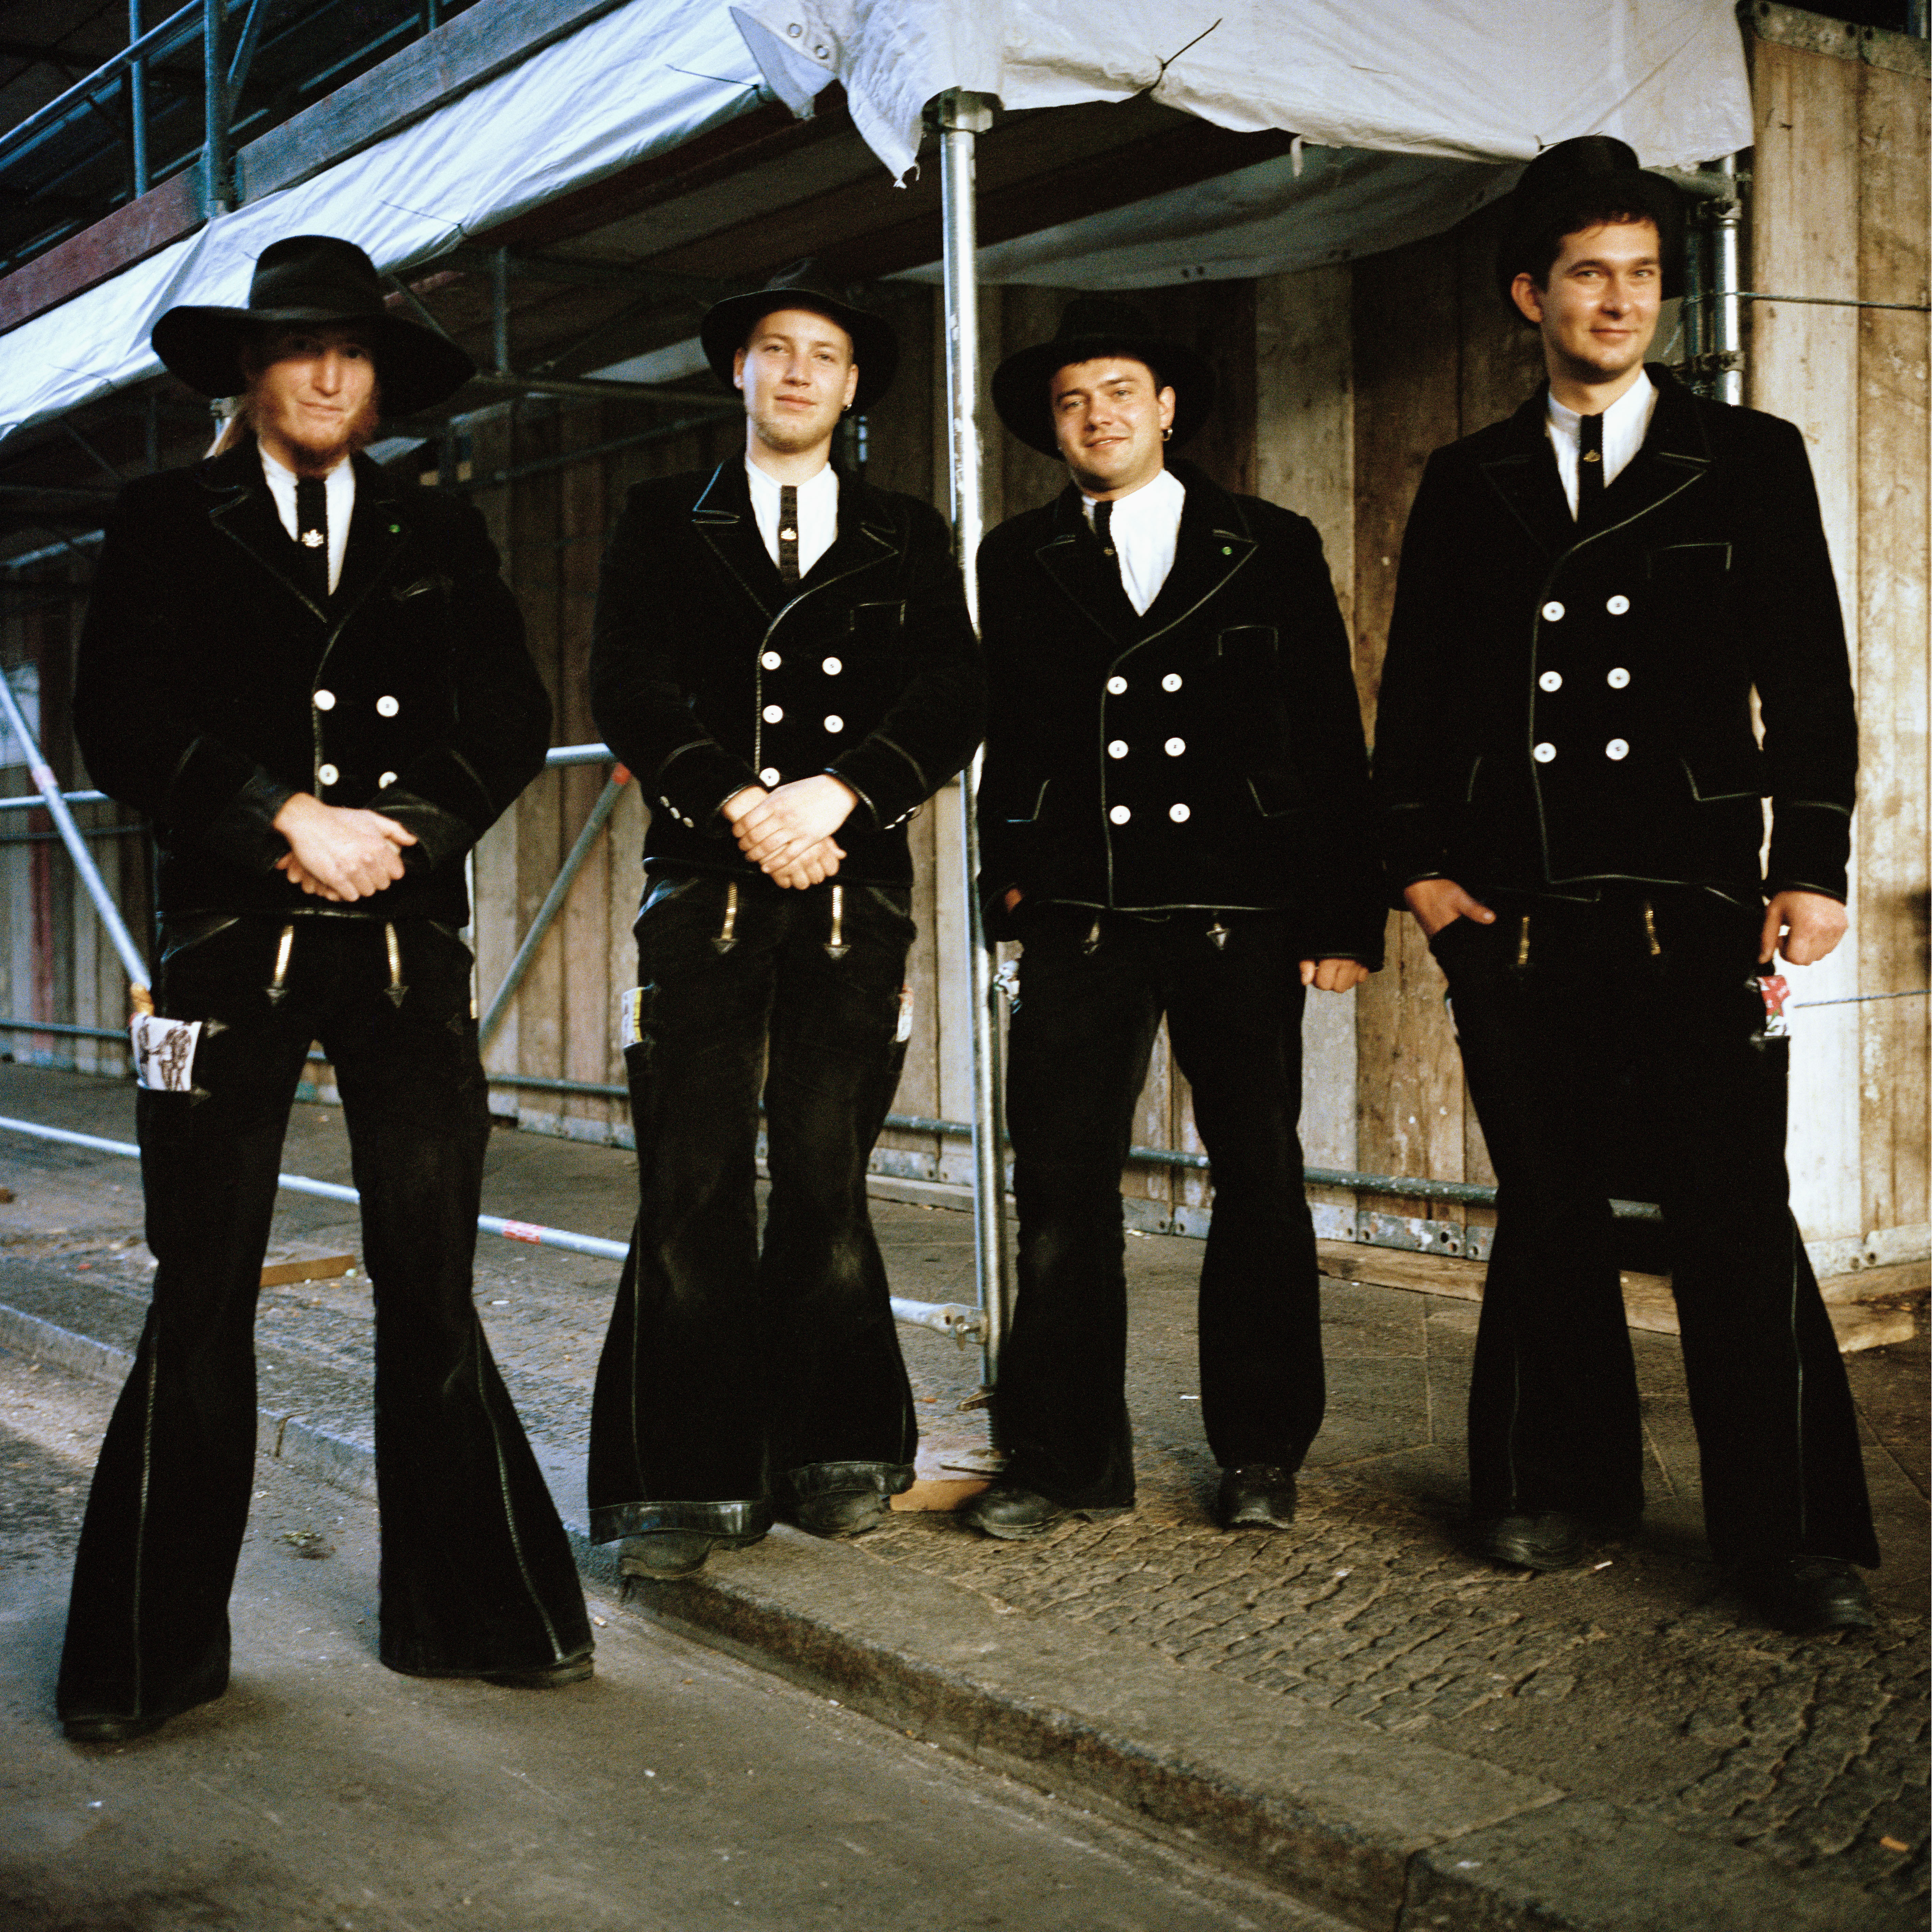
(1551, 680)
(1179, 814)
(387, 707)
(771, 660)
(1618, 605)
(832, 666)
(773, 713)
(1116, 686)
(1552, 612)
(1616, 748)
(324, 700)
(1543, 754)
(1117, 749)
(1617, 679)
(1120, 815)
(327, 774)
(768, 776)
(387, 778)
(835, 723)
(1175, 746)
(1172, 682)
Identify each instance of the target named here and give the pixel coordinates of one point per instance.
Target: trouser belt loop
(727, 933)
(397, 991)
(1522, 942)
(1092, 942)
(1217, 935)
(835, 947)
(278, 984)
(1650, 930)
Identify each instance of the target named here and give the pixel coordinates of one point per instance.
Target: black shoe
(1015, 1514)
(550, 1677)
(111, 1730)
(659, 1554)
(841, 1512)
(1545, 1540)
(1255, 1496)
(1803, 1594)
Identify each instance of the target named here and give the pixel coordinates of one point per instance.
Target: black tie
(1103, 529)
(312, 535)
(1590, 484)
(788, 533)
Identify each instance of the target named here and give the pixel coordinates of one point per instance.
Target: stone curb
(1389, 1834)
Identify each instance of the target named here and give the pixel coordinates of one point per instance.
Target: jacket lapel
(865, 537)
(1524, 477)
(241, 508)
(723, 520)
(1214, 547)
(1073, 559)
(378, 536)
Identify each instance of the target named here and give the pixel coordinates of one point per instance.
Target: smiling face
(797, 374)
(312, 394)
(1597, 307)
(1109, 420)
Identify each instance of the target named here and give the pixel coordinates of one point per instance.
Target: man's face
(1598, 309)
(312, 394)
(797, 374)
(1108, 419)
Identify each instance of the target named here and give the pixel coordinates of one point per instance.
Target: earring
(1167, 435)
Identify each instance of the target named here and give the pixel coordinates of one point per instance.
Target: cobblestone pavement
(1641, 1679)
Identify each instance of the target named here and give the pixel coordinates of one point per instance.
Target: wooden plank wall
(1840, 211)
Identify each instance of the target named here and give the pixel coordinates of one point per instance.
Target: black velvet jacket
(708, 674)
(1555, 713)
(210, 687)
(1207, 754)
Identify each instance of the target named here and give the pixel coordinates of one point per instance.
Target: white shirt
(1626, 424)
(340, 487)
(817, 513)
(1146, 529)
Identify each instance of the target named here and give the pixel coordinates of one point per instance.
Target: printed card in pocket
(164, 1052)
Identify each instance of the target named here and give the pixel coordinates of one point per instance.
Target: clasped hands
(340, 852)
(786, 833)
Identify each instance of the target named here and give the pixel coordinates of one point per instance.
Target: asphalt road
(678, 1790)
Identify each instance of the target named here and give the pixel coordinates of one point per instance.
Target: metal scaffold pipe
(963, 117)
(1727, 219)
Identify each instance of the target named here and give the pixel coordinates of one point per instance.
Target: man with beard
(783, 657)
(312, 680)
(1590, 594)
(1172, 823)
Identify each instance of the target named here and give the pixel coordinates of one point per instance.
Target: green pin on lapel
(395, 530)
(1227, 549)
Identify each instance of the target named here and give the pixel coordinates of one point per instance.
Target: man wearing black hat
(783, 657)
(1590, 594)
(1171, 822)
(312, 680)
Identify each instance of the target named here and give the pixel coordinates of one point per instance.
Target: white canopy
(1439, 90)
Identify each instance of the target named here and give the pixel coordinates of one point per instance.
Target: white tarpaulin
(1490, 80)
(635, 82)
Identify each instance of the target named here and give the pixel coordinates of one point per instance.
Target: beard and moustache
(251, 416)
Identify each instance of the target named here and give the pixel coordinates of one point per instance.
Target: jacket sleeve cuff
(694, 782)
(243, 832)
(441, 834)
(887, 779)
(1810, 849)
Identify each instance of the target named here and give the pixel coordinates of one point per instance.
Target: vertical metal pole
(1915, 23)
(1693, 318)
(215, 86)
(49, 788)
(1727, 218)
(499, 309)
(963, 117)
(137, 102)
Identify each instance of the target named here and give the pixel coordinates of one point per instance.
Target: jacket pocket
(1276, 793)
(1039, 810)
(1251, 643)
(1726, 774)
(1689, 566)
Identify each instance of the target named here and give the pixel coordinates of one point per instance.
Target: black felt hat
(1585, 177)
(875, 348)
(1090, 326)
(313, 278)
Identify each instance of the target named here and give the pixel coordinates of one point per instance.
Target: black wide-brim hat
(1092, 326)
(313, 278)
(875, 347)
(1587, 176)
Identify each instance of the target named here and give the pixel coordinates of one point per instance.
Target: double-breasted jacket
(709, 672)
(1207, 754)
(1559, 707)
(211, 684)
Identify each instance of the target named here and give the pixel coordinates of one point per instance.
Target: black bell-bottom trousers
(1081, 1036)
(731, 1378)
(1618, 1050)
(477, 1574)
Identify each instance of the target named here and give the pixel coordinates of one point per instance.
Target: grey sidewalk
(1360, 1712)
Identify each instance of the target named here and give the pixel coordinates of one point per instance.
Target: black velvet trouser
(477, 1575)
(1618, 1052)
(730, 1378)
(1077, 1057)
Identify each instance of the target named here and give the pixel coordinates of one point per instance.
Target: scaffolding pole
(963, 117)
